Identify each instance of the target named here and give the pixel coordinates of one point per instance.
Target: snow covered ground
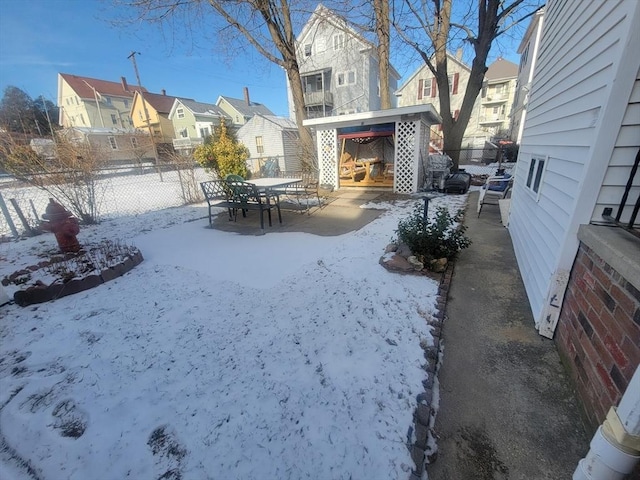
(283, 356)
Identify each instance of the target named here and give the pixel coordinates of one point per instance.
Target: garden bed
(66, 274)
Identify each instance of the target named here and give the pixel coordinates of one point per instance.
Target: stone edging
(45, 293)
(424, 413)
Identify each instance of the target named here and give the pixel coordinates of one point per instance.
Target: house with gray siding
(576, 175)
(269, 137)
(339, 68)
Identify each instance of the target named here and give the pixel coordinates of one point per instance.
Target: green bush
(224, 155)
(443, 237)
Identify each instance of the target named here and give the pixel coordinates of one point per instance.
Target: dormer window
(180, 112)
(338, 41)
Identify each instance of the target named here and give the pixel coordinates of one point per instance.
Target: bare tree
(431, 28)
(70, 176)
(266, 24)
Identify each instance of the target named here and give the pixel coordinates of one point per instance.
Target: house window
(184, 133)
(82, 119)
(112, 143)
(346, 78)
(140, 115)
(319, 82)
(259, 145)
(307, 50)
(204, 132)
(107, 100)
(338, 41)
(426, 88)
(180, 112)
(126, 103)
(536, 170)
(499, 89)
(134, 142)
(114, 119)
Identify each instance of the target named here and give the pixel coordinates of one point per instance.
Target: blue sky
(40, 38)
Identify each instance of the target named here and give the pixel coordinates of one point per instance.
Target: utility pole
(132, 56)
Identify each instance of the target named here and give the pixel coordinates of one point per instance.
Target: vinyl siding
(570, 120)
(275, 140)
(619, 169)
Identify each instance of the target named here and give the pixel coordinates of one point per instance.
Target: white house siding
(276, 141)
(573, 116)
(619, 169)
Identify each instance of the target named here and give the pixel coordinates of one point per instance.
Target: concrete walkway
(507, 410)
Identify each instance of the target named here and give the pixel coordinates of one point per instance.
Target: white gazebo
(384, 148)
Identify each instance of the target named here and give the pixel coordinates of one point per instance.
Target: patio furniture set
(262, 194)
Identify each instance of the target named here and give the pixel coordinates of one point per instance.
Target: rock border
(424, 414)
(45, 293)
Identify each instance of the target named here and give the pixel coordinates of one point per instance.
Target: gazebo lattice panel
(327, 155)
(425, 136)
(405, 154)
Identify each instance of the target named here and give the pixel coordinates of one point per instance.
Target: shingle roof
(248, 110)
(501, 68)
(162, 103)
(281, 121)
(82, 86)
(199, 108)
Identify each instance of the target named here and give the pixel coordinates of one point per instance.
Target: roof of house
(500, 69)
(281, 121)
(246, 110)
(204, 109)
(83, 86)
(162, 103)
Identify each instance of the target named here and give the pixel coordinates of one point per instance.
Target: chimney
(246, 96)
(164, 92)
(125, 87)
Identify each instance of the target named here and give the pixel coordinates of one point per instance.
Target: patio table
(271, 183)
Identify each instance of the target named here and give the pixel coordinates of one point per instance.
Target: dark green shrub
(431, 240)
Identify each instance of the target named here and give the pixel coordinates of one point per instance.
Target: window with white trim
(184, 133)
(307, 50)
(113, 143)
(346, 78)
(338, 41)
(536, 172)
(114, 119)
(259, 145)
(134, 142)
(180, 112)
(107, 100)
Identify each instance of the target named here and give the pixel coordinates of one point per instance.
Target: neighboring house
(240, 111)
(490, 112)
(577, 163)
(339, 68)
(114, 144)
(93, 103)
(271, 137)
(193, 122)
(158, 108)
(528, 51)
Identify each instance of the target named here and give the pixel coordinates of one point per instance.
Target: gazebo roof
(425, 112)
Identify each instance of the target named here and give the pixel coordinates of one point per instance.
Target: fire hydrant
(63, 225)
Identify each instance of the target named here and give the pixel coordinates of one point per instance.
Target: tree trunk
(307, 147)
(381, 10)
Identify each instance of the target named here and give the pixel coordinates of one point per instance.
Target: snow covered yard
(283, 356)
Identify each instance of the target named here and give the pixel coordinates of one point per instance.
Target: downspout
(615, 447)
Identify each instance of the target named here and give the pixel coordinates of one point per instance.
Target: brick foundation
(598, 332)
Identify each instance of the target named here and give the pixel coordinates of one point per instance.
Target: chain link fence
(120, 191)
